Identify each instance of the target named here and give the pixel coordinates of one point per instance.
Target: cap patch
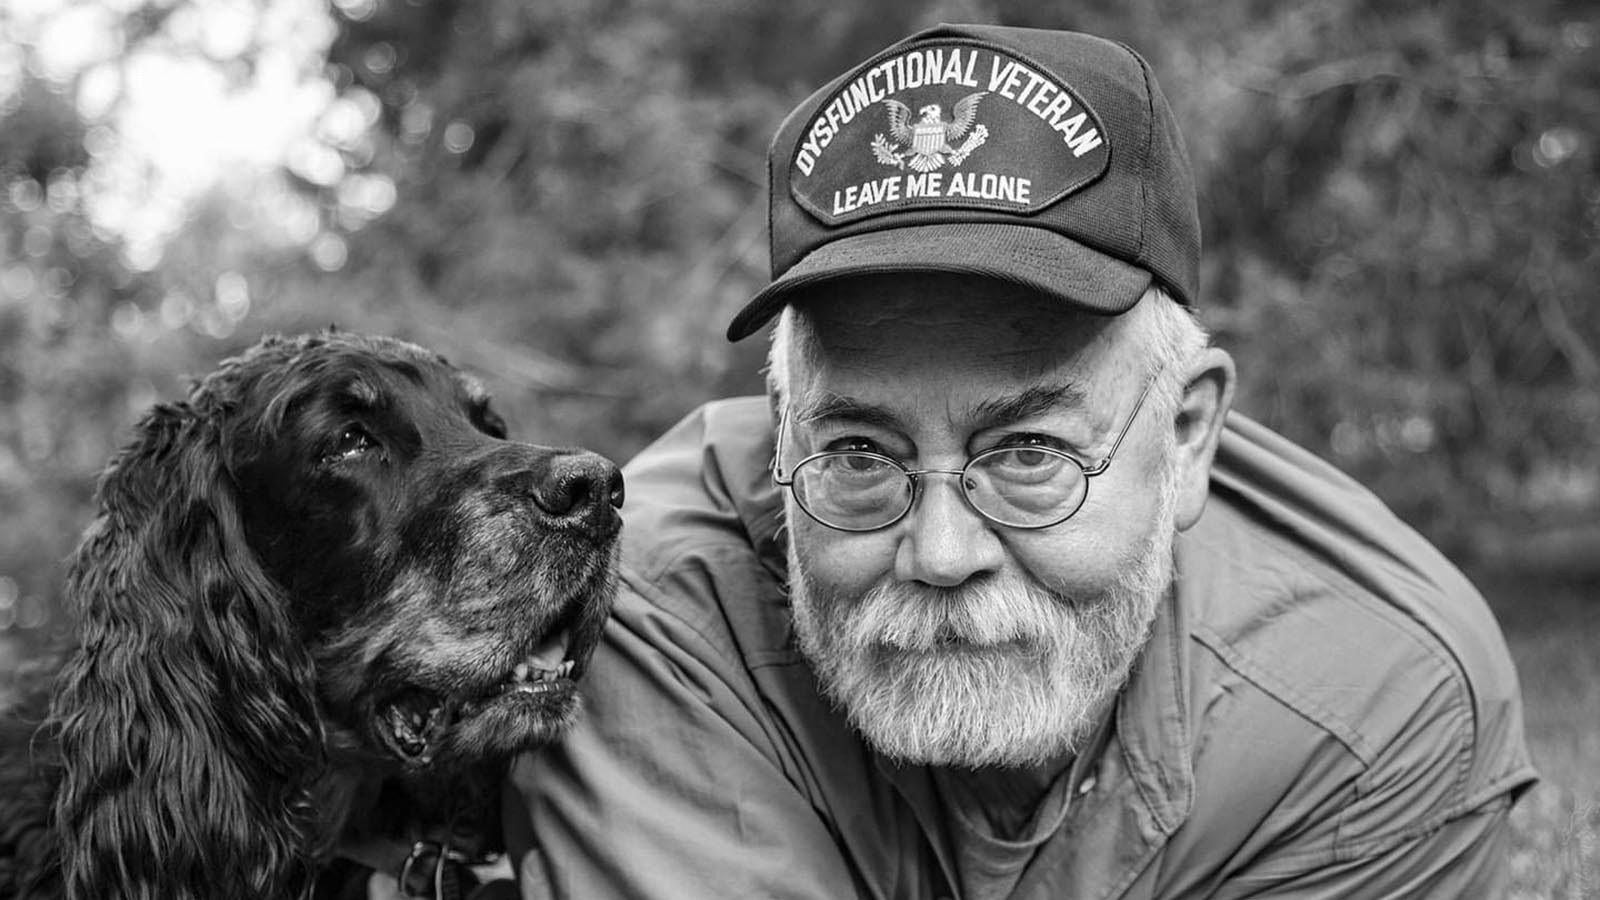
(945, 125)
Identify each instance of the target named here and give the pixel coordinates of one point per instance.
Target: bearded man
(993, 596)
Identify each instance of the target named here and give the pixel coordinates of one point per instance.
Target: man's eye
(863, 464)
(854, 445)
(352, 442)
(1030, 450)
(1030, 456)
(1029, 445)
(1025, 460)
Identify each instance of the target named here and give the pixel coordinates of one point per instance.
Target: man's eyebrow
(823, 405)
(1025, 404)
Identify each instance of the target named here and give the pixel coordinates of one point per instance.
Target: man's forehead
(990, 408)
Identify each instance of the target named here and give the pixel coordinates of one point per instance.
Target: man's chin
(1036, 697)
(967, 709)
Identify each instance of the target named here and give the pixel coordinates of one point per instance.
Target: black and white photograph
(904, 450)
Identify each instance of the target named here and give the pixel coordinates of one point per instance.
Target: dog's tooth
(565, 670)
(549, 654)
(520, 673)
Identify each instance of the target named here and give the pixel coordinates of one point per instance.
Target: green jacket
(1326, 709)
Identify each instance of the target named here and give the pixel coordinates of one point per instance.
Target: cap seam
(1149, 144)
(772, 207)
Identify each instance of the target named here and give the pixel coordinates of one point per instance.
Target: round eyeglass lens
(852, 490)
(1025, 486)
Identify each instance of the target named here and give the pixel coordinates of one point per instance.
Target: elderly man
(992, 596)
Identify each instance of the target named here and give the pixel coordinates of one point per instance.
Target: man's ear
(1197, 425)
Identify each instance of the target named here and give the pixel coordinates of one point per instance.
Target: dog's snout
(579, 486)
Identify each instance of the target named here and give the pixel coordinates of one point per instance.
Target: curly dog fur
(325, 574)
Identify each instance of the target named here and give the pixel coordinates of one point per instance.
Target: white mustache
(989, 614)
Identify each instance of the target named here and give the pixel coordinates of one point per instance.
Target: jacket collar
(739, 442)
(1140, 790)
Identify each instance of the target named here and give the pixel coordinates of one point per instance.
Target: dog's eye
(353, 442)
(489, 422)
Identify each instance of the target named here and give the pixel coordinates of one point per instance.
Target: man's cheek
(1090, 553)
(840, 563)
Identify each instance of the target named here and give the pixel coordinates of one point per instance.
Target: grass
(1554, 633)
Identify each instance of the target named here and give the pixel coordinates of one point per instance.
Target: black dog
(322, 591)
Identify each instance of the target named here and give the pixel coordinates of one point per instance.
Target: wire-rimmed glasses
(1025, 487)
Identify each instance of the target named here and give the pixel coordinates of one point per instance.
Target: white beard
(1000, 672)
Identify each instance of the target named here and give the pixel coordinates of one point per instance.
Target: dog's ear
(187, 719)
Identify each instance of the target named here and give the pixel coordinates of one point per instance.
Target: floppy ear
(187, 718)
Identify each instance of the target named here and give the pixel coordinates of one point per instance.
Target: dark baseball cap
(1048, 159)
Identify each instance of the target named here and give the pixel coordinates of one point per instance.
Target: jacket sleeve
(1406, 797)
(673, 782)
(1464, 857)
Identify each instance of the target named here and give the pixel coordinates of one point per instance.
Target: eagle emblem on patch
(929, 143)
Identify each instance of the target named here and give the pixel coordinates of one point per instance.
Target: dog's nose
(579, 486)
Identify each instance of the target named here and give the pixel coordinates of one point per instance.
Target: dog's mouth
(416, 722)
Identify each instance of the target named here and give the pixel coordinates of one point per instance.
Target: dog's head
(449, 584)
(328, 554)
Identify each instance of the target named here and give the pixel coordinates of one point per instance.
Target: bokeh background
(1401, 203)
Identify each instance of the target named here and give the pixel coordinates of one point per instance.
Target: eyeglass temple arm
(1127, 426)
(777, 449)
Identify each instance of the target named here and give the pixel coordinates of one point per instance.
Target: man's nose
(943, 540)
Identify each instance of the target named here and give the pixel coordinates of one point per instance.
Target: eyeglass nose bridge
(966, 485)
(916, 474)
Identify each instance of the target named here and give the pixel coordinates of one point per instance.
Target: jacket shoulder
(701, 528)
(1304, 592)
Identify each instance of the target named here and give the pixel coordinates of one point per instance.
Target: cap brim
(1019, 254)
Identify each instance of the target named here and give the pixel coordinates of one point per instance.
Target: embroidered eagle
(929, 142)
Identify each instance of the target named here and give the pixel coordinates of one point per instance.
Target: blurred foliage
(1401, 203)
(66, 382)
